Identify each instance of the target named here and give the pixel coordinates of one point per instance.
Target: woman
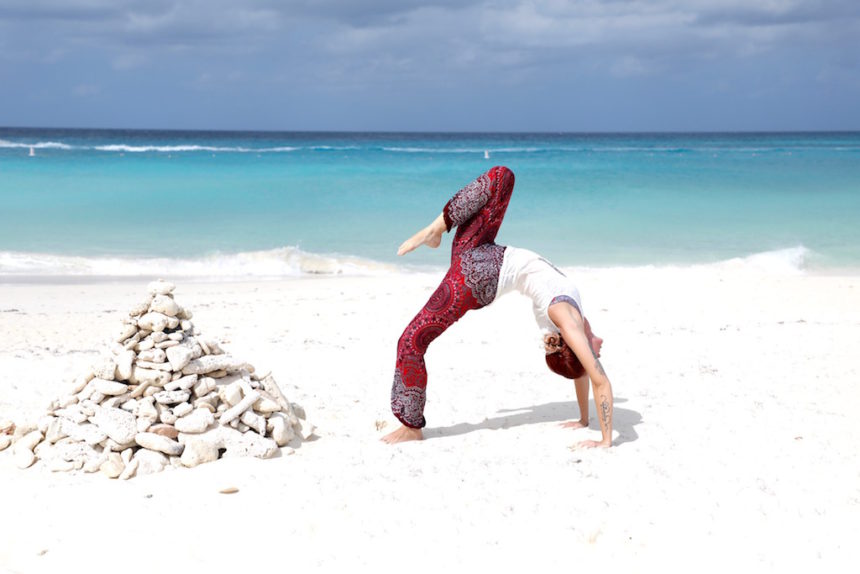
(480, 271)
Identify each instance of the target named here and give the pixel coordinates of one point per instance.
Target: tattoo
(600, 367)
(604, 407)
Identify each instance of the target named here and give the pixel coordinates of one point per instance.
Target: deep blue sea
(231, 204)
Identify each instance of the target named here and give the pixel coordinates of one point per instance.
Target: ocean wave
(37, 145)
(491, 150)
(795, 260)
(787, 261)
(189, 148)
(272, 263)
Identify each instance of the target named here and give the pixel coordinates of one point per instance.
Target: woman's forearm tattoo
(605, 412)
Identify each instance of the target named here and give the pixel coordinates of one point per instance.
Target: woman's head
(561, 359)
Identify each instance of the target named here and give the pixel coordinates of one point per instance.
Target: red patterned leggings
(476, 211)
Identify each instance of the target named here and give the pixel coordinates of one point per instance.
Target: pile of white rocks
(164, 397)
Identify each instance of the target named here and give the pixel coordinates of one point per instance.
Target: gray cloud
(453, 51)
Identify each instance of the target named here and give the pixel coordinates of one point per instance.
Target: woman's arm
(572, 328)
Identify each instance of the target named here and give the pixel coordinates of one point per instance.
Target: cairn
(165, 396)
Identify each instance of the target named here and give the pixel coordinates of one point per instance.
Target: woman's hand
(573, 425)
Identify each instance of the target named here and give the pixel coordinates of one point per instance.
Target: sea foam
(272, 263)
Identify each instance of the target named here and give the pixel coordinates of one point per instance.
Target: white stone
(182, 409)
(163, 367)
(155, 322)
(149, 461)
(186, 325)
(198, 451)
(167, 417)
(172, 322)
(236, 411)
(213, 347)
(266, 405)
(254, 421)
(76, 452)
(204, 386)
(123, 365)
(306, 429)
(143, 424)
(54, 432)
(129, 470)
(29, 440)
(299, 410)
(179, 357)
(158, 337)
(172, 397)
(230, 394)
(109, 388)
(132, 342)
(5, 441)
(144, 345)
(140, 308)
(211, 363)
(234, 443)
(125, 332)
(88, 407)
(117, 424)
(81, 382)
(160, 443)
(181, 383)
(280, 429)
(23, 458)
(84, 432)
(113, 466)
(105, 370)
(151, 376)
(153, 356)
(196, 422)
(176, 336)
(167, 344)
(60, 465)
(165, 305)
(67, 401)
(160, 287)
(146, 408)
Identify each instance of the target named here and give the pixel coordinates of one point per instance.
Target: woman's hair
(561, 359)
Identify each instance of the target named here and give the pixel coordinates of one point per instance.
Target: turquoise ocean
(270, 204)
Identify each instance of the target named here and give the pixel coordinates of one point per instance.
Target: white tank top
(538, 279)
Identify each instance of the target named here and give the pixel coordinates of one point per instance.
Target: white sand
(735, 445)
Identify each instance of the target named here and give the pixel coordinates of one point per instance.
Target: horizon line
(444, 132)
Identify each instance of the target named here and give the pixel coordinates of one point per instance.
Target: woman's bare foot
(431, 236)
(403, 434)
(591, 444)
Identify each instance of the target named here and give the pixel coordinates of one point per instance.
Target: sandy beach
(735, 438)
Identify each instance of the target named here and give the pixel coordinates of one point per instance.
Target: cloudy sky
(448, 65)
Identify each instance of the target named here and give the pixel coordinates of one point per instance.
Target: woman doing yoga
(481, 271)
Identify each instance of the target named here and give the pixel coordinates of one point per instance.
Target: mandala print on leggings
(467, 201)
(407, 403)
(481, 267)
